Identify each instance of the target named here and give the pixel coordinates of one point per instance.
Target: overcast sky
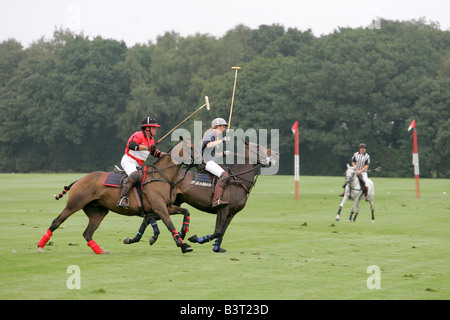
(140, 21)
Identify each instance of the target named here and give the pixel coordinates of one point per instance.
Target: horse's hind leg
(148, 219)
(66, 213)
(95, 214)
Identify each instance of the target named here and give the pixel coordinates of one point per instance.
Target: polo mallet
(232, 97)
(208, 107)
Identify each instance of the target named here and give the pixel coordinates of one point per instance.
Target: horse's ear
(245, 141)
(348, 167)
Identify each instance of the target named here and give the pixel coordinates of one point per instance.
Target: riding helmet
(218, 122)
(362, 145)
(149, 122)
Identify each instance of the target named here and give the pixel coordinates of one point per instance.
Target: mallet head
(208, 107)
(236, 68)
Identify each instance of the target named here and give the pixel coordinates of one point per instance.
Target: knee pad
(214, 168)
(134, 177)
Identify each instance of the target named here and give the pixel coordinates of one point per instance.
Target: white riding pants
(129, 164)
(214, 168)
(364, 177)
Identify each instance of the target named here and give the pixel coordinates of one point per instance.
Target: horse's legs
(186, 220)
(66, 213)
(148, 219)
(163, 213)
(220, 234)
(373, 209)
(95, 215)
(356, 206)
(223, 219)
(344, 201)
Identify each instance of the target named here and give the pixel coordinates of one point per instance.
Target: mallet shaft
(232, 97)
(193, 113)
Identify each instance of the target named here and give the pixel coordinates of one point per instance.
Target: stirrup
(123, 203)
(219, 203)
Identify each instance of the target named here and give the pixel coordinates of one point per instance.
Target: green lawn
(278, 248)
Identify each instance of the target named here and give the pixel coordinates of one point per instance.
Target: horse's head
(261, 155)
(185, 152)
(349, 173)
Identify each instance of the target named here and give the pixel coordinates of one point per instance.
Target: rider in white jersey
(361, 162)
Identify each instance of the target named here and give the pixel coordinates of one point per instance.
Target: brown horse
(243, 178)
(96, 200)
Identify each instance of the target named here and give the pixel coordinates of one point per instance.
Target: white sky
(140, 21)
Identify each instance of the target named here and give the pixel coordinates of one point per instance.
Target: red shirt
(132, 148)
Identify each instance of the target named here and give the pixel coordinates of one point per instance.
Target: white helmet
(218, 122)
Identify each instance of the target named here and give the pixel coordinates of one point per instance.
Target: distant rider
(361, 162)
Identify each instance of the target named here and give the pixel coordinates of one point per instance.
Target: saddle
(361, 181)
(117, 177)
(204, 178)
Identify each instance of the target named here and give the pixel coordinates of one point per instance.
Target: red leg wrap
(45, 238)
(94, 246)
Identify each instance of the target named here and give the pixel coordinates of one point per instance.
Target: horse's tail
(66, 188)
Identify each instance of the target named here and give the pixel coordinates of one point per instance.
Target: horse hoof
(220, 250)
(338, 218)
(106, 252)
(186, 248)
(194, 238)
(152, 240)
(40, 250)
(126, 240)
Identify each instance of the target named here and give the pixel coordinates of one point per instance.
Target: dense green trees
(70, 103)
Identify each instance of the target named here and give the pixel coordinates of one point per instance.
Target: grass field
(278, 248)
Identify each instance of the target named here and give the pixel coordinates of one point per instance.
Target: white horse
(354, 191)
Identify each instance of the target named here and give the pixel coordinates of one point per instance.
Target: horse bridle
(351, 179)
(256, 170)
(160, 171)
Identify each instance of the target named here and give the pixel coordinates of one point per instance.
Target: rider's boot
(127, 186)
(218, 190)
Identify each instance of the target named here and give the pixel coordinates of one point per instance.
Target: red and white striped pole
(296, 160)
(415, 157)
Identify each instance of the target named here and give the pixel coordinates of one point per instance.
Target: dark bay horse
(243, 178)
(159, 185)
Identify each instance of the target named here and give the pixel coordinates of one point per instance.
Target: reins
(354, 177)
(155, 170)
(255, 169)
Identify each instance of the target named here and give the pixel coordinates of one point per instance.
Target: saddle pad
(113, 179)
(202, 177)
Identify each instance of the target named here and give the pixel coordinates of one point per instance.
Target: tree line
(69, 103)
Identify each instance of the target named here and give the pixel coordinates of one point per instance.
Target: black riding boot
(127, 186)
